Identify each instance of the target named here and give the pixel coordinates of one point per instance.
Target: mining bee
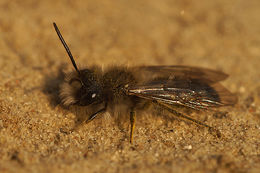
(166, 86)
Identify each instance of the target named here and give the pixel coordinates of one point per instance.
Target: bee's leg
(94, 115)
(132, 121)
(212, 130)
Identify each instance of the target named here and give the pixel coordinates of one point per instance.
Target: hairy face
(81, 88)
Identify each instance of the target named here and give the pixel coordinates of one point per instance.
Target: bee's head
(80, 87)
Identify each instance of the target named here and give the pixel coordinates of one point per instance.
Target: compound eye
(93, 95)
(76, 83)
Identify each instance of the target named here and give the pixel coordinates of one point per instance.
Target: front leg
(94, 115)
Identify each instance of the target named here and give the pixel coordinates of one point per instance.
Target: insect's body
(110, 86)
(115, 84)
(166, 86)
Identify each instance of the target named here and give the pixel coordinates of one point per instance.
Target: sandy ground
(222, 35)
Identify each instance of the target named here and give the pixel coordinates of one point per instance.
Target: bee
(166, 86)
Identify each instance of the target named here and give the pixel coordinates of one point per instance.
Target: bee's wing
(148, 73)
(188, 93)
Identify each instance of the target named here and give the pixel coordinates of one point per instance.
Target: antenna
(66, 47)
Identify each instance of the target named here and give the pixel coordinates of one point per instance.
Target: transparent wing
(149, 73)
(192, 93)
